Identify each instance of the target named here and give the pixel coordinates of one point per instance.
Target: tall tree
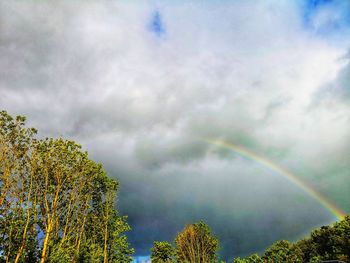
(15, 179)
(56, 205)
(196, 244)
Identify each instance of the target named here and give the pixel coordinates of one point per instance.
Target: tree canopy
(326, 243)
(56, 205)
(194, 244)
(162, 252)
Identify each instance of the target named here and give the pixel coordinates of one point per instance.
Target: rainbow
(244, 152)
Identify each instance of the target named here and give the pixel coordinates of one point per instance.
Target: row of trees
(56, 205)
(325, 243)
(196, 244)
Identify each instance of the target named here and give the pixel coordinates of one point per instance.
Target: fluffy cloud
(255, 73)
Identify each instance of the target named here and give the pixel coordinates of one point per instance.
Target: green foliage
(332, 242)
(196, 244)
(307, 248)
(162, 252)
(61, 254)
(89, 252)
(255, 258)
(343, 238)
(315, 259)
(283, 251)
(56, 204)
(326, 243)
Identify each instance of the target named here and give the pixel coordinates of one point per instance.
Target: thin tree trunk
(83, 224)
(46, 241)
(24, 236)
(48, 220)
(81, 233)
(10, 242)
(106, 234)
(105, 244)
(5, 179)
(65, 230)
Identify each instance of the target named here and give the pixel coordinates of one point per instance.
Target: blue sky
(156, 24)
(327, 16)
(142, 259)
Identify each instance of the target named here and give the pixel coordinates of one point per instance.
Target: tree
(239, 260)
(283, 251)
(15, 179)
(196, 244)
(162, 252)
(343, 240)
(325, 242)
(307, 248)
(56, 204)
(333, 242)
(255, 258)
(330, 242)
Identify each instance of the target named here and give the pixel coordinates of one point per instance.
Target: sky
(145, 86)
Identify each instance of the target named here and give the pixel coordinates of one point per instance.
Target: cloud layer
(140, 85)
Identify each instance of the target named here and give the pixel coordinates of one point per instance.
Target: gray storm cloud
(247, 72)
